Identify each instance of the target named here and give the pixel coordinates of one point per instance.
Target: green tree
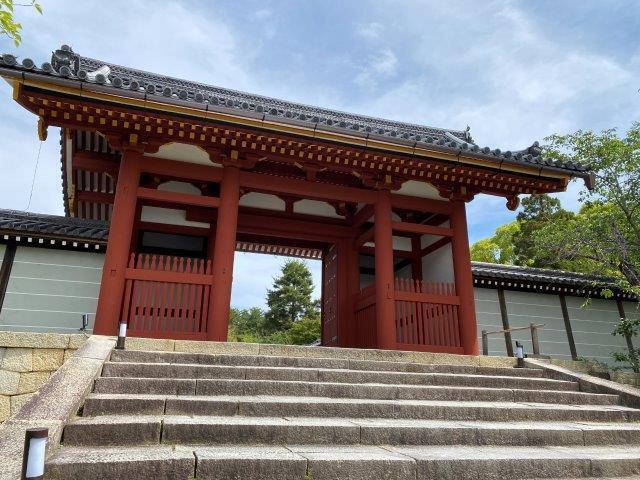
(246, 325)
(8, 25)
(290, 298)
(605, 235)
(498, 248)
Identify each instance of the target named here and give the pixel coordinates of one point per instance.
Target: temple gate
(187, 173)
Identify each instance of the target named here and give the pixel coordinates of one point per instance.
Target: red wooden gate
(330, 297)
(167, 297)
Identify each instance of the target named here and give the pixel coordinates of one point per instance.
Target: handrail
(534, 336)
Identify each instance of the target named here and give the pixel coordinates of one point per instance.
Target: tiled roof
(39, 224)
(132, 82)
(516, 273)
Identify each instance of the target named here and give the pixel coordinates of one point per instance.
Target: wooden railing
(365, 317)
(167, 297)
(426, 316)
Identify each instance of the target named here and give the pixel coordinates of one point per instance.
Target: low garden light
(35, 444)
(520, 354)
(122, 335)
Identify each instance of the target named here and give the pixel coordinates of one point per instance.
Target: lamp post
(122, 335)
(35, 444)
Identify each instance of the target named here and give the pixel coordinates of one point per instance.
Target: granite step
(324, 462)
(133, 356)
(195, 371)
(294, 406)
(171, 386)
(210, 430)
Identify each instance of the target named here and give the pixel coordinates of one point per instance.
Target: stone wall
(600, 370)
(27, 360)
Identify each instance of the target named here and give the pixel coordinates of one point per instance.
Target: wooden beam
(96, 162)
(396, 253)
(305, 189)
(419, 204)
(426, 298)
(403, 227)
(363, 238)
(362, 216)
(173, 229)
(437, 245)
(94, 197)
(174, 198)
(181, 170)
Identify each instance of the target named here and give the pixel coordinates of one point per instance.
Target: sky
(513, 71)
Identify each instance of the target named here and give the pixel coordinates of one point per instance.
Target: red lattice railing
(426, 316)
(167, 297)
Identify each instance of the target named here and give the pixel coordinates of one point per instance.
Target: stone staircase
(233, 416)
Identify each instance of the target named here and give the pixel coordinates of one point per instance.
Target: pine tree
(290, 298)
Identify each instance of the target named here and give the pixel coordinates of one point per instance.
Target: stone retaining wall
(27, 360)
(600, 370)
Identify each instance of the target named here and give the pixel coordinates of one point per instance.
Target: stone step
(194, 371)
(171, 386)
(340, 462)
(133, 356)
(180, 430)
(283, 406)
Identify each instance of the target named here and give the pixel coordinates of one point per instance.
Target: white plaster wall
(262, 200)
(592, 326)
(184, 153)
(415, 188)
(438, 265)
(314, 207)
(49, 290)
(488, 318)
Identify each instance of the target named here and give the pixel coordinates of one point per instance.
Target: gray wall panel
(592, 326)
(49, 290)
(488, 318)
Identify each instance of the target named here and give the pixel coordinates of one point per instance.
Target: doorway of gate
(259, 260)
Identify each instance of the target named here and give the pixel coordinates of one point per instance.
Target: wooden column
(223, 255)
(505, 322)
(463, 278)
(567, 326)
(5, 270)
(384, 277)
(118, 246)
(622, 314)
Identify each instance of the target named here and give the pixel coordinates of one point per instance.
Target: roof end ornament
(64, 57)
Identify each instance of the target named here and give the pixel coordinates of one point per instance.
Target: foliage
(537, 211)
(498, 248)
(8, 25)
(628, 328)
(293, 317)
(605, 235)
(290, 298)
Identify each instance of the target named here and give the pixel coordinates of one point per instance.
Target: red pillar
(223, 255)
(384, 279)
(118, 246)
(464, 279)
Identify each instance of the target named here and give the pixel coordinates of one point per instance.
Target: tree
(246, 325)
(605, 235)
(8, 25)
(537, 211)
(498, 248)
(290, 298)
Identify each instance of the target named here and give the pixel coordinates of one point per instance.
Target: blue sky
(514, 71)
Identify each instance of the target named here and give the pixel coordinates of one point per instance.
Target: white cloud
(369, 30)
(380, 66)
